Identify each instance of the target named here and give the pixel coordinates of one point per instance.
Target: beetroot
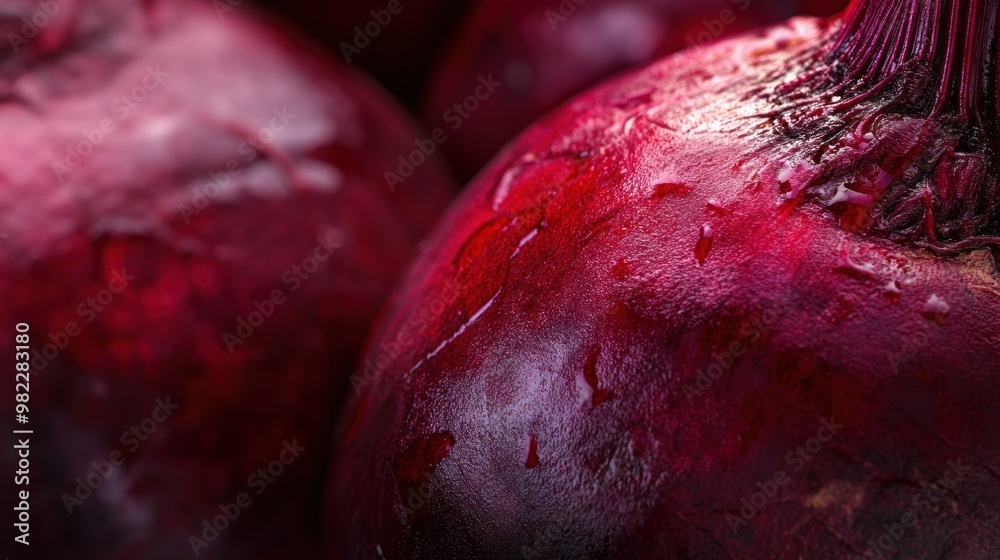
(744, 303)
(546, 52)
(198, 230)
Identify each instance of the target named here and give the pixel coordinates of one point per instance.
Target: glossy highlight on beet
(545, 52)
(196, 227)
(776, 253)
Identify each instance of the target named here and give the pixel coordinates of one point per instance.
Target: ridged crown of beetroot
(190, 205)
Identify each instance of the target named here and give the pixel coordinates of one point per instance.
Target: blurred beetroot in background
(198, 230)
(546, 52)
(397, 43)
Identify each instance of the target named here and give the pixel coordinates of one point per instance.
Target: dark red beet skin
(202, 270)
(743, 303)
(546, 52)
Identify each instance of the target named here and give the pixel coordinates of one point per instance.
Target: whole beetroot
(546, 52)
(743, 303)
(197, 229)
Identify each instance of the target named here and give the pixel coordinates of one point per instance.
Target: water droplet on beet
(796, 177)
(704, 244)
(527, 238)
(892, 291)
(531, 453)
(716, 207)
(506, 180)
(849, 267)
(503, 187)
(849, 196)
(663, 190)
(524, 241)
(936, 309)
(629, 124)
(592, 390)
